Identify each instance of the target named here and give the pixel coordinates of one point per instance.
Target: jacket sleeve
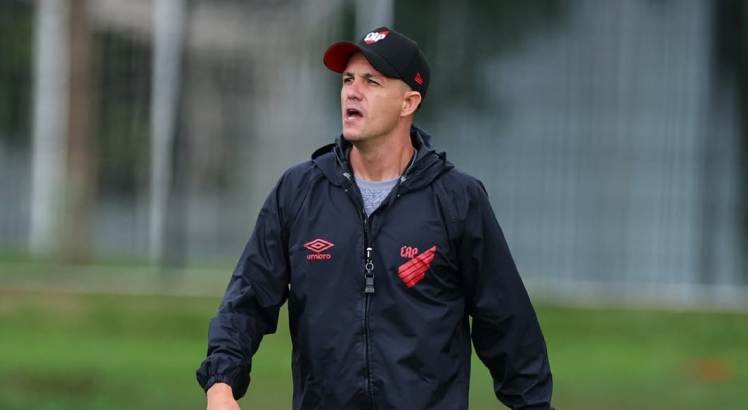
(505, 330)
(249, 310)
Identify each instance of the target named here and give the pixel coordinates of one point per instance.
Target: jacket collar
(332, 159)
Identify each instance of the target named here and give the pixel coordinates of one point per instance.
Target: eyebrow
(366, 75)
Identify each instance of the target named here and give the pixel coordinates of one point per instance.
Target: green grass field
(75, 351)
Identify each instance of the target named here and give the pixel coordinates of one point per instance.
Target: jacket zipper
(368, 293)
(368, 270)
(368, 262)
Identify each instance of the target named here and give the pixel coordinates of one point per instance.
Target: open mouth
(351, 113)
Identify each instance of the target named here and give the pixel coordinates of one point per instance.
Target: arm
(505, 330)
(249, 310)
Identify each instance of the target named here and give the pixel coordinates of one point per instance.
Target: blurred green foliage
(16, 19)
(73, 351)
(458, 37)
(123, 92)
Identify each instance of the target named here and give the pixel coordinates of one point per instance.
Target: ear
(411, 101)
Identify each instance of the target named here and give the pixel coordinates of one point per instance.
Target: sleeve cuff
(238, 380)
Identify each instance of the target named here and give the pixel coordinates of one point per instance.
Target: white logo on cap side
(375, 36)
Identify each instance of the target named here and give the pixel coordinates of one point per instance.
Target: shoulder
(296, 181)
(459, 184)
(461, 194)
(293, 187)
(457, 179)
(298, 174)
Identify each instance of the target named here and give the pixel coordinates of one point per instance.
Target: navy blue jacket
(379, 307)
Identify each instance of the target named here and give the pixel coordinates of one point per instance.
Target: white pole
(49, 123)
(168, 25)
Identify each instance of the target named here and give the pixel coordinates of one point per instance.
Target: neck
(382, 158)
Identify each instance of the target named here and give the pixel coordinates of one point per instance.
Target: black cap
(389, 52)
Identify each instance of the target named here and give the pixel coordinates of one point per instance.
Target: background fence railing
(610, 135)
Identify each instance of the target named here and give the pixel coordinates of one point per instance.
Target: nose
(352, 90)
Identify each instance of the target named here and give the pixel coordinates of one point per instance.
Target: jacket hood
(332, 160)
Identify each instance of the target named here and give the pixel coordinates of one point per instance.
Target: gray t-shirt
(374, 192)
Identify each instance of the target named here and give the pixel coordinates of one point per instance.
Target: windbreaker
(382, 309)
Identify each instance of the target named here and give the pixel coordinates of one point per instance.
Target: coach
(384, 252)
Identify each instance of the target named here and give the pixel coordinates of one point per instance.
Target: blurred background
(139, 138)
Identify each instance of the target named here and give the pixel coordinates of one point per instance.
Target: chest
(411, 253)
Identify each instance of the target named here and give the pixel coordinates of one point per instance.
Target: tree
(81, 164)
(731, 65)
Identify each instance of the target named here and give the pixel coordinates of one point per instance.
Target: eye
(372, 81)
(347, 80)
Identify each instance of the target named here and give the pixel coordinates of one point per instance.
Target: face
(371, 103)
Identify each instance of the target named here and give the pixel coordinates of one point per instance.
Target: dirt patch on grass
(711, 370)
(13, 299)
(49, 384)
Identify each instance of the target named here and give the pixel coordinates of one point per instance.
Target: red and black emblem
(414, 270)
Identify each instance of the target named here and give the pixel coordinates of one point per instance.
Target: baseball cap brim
(337, 55)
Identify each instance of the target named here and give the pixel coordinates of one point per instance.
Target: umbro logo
(375, 36)
(318, 247)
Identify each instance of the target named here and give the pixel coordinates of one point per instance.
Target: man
(384, 251)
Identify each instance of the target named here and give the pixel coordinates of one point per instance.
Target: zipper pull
(369, 272)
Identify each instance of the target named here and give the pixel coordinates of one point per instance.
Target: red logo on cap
(419, 79)
(375, 36)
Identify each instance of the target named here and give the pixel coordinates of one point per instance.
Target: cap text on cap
(374, 36)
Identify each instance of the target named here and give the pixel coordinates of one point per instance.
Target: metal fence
(608, 142)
